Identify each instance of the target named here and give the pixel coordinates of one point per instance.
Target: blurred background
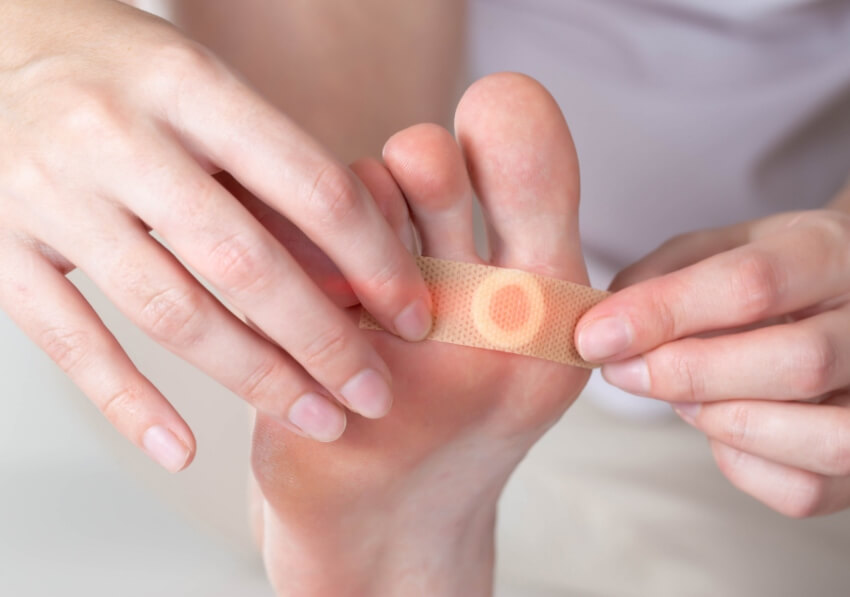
(83, 512)
(603, 506)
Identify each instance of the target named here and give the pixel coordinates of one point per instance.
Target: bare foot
(406, 505)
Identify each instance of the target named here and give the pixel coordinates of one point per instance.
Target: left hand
(745, 329)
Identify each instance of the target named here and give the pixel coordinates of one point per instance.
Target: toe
(389, 198)
(428, 165)
(524, 170)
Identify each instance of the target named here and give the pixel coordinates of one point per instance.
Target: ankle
(382, 555)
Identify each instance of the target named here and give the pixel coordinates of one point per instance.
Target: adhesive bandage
(504, 309)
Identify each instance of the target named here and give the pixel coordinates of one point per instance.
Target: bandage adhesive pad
(508, 310)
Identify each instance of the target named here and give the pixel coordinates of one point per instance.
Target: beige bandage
(504, 309)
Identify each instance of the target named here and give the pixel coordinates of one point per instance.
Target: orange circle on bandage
(508, 310)
(509, 307)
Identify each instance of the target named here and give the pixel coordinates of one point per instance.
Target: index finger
(774, 275)
(283, 166)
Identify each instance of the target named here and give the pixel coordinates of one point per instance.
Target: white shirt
(687, 114)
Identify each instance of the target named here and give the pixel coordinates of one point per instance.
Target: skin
(785, 442)
(430, 473)
(350, 73)
(805, 477)
(742, 328)
(115, 122)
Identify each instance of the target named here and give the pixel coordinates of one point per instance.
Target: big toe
(525, 172)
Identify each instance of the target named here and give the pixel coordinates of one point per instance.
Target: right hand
(112, 124)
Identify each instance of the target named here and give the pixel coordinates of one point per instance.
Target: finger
(381, 185)
(220, 240)
(681, 251)
(525, 171)
(810, 437)
(776, 274)
(52, 312)
(288, 170)
(428, 165)
(788, 490)
(310, 258)
(155, 292)
(792, 361)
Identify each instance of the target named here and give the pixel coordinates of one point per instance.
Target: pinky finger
(788, 490)
(53, 313)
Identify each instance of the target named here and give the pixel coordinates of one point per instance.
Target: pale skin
(768, 380)
(814, 478)
(128, 90)
(430, 474)
(406, 506)
(114, 123)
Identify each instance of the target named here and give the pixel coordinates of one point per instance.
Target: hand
(745, 329)
(406, 505)
(113, 124)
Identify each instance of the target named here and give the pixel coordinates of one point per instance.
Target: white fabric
(606, 508)
(682, 122)
(694, 113)
(687, 114)
(736, 9)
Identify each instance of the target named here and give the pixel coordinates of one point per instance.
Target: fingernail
(316, 416)
(164, 447)
(368, 393)
(604, 338)
(631, 375)
(687, 410)
(414, 322)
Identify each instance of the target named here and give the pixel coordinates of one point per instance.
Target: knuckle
(688, 382)
(22, 179)
(381, 281)
(240, 265)
(757, 286)
(174, 317)
(738, 430)
(261, 382)
(179, 71)
(322, 350)
(177, 60)
(68, 348)
(665, 322)
(94, 115)
(814, 367)
(333, 195)
(123, 404)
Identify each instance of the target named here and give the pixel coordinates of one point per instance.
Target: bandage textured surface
(504, 309)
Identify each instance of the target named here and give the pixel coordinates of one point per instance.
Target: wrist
(396, 549)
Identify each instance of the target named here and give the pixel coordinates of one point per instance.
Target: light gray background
(82, 512)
